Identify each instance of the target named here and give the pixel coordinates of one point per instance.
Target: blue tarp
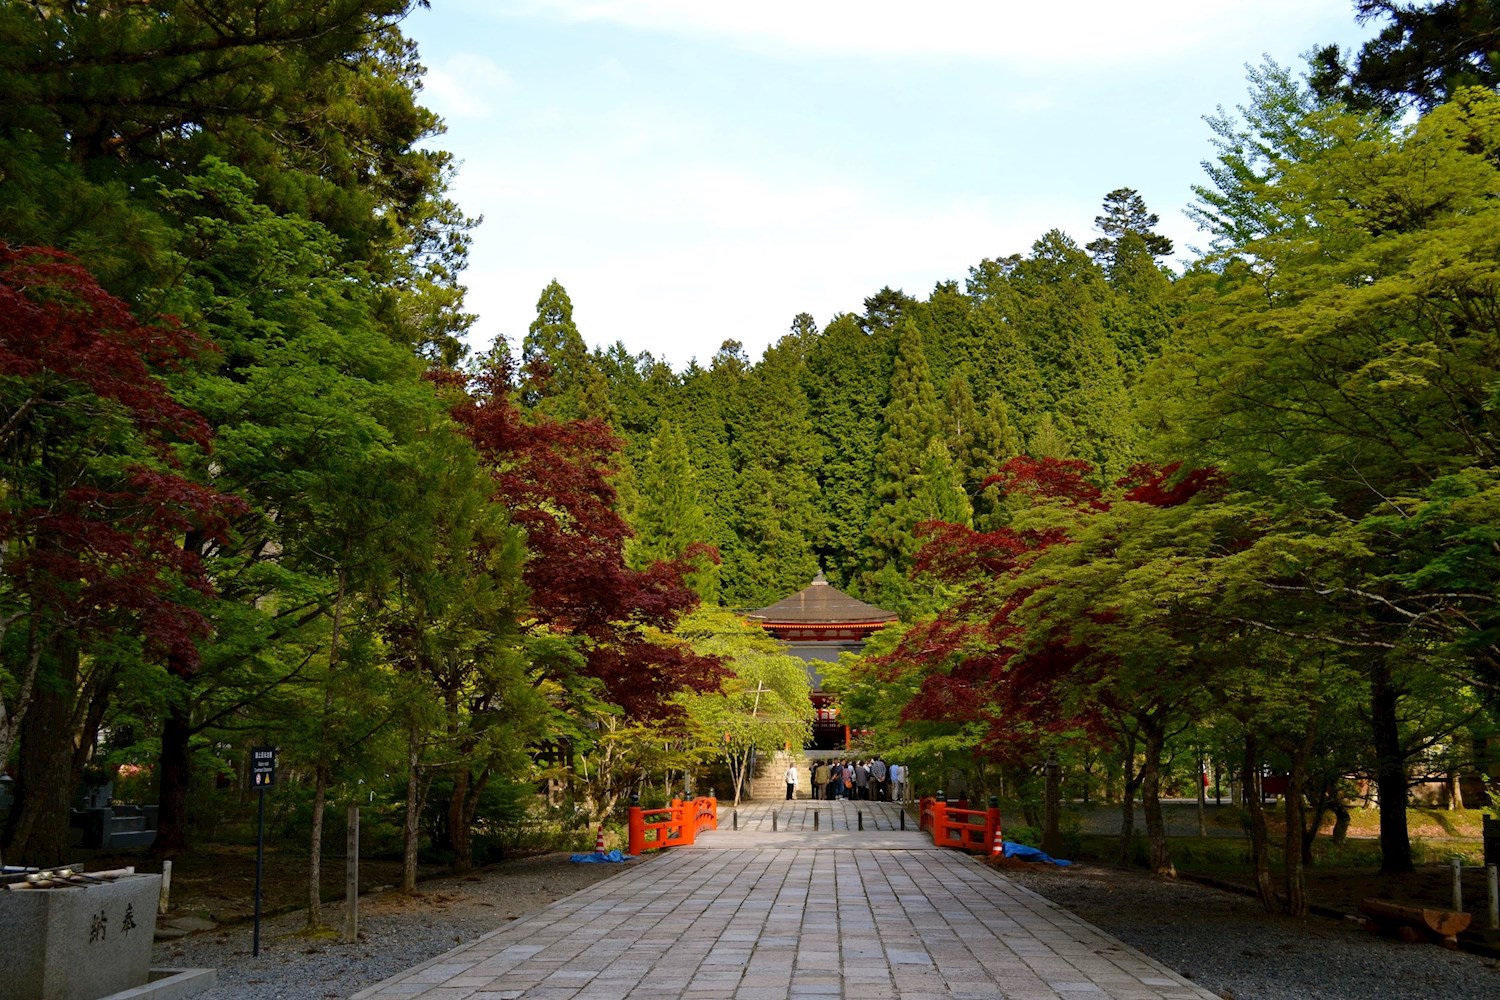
(595, 858)
(1024, 853)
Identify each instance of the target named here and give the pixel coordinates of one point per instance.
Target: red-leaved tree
(553, 477)
(92, 514)
(1051, 632)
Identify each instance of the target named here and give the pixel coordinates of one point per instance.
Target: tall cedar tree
(94, 511)
(915, 480)
(701, 409)
(553, 476)
(558, 375)
(777, 455)
(668, 519)
(849, 382)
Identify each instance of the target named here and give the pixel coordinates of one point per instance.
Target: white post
(165, 902)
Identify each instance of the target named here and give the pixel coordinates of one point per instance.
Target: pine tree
(1125, 216)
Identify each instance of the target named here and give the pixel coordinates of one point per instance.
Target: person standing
(791, 782)
(820, 779)
(897, 775)
(877, 780)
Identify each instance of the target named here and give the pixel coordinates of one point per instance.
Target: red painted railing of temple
(674, 825)
(955, 825)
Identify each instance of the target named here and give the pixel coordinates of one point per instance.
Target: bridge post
(992, 825)
(637, 826)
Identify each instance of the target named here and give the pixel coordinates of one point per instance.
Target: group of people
(872, 780)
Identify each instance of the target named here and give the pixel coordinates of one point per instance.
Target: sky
(696, 171)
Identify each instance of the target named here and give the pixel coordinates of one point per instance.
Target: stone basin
(78, 943)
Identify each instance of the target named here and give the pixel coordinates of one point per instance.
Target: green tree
(916, 480)
(764, 706)
(1343, 360)
(668, 518)
(849, 382)
(1125, 215)
(1422, 57)
(777, 455)
(559, 375)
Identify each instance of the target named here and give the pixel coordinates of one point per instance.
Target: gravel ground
(396, 932)
(1226, 944)
(1218, 939)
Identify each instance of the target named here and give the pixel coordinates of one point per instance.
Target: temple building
(817, 623)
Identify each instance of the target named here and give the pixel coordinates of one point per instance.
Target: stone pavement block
(744, 920)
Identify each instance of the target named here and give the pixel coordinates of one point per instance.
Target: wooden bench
(1412, 923)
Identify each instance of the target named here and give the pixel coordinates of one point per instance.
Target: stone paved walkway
(757, 915)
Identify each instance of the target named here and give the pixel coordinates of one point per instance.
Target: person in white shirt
(791, 782)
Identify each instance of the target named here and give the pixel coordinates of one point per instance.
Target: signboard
(262, 767)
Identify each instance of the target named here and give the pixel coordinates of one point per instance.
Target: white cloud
(736, 257)
(463, 86)
(1071, 36)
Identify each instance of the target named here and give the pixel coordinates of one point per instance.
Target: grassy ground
(1341, 874)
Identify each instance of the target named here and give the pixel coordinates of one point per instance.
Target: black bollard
(903, 819)
(861, 819)
(817, 817)
(736, 819)
(774, 815)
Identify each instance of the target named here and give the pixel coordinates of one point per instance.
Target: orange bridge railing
(955, 825)
(672, 825)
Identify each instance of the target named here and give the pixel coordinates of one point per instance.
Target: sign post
(262, 776)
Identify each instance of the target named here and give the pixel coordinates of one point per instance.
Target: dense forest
(1242, 512)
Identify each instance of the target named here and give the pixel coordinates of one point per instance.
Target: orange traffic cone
(997, 849)
(599, 841)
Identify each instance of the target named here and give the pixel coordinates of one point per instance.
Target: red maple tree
(554, 478)
(978, 663)
(93, 510)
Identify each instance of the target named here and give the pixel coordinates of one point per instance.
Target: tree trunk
(48, 769)
(1455, 790)
(415, 796)
(174, 774)
(1199, 785)
(459, 831)
(320, 795)
(1340, 820)
(1130, 780)
(315, 851)
(174, 765)
(1259, 838)
(1155, 739)
(1295, 875)
(44, 782)
(1390, 772)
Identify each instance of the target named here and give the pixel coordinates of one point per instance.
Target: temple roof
(819, 603)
